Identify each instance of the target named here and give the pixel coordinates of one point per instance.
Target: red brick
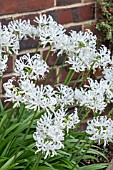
(74, 84)
(83, 13)
(16, 6)
(86, 13)
(5, 21)
(82, 126)
(64, 74)
(28, 44)
(66, 2)
(10, 65)
(74, 28)
(98, 73)
(62, 16)
(108, 109)
(89, 1)
(51, 77)
(52, 58)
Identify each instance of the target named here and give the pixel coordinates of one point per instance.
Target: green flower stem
(35, 82)
(67, 77)
(70, 78)
(81, 110)
(85, 115)
(84, 78)
(60, 70)
(77, 80)
(48, 76)
(48, 53)
(110, 112)
(38, 46)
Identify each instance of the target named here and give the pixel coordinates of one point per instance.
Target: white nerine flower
(22, 29)
(26, 85)
(65, 95)
(100, 129)
(103, 87)
(64, 46)
(49, 135)
(59, 117)
(9, 43)
(82, 60)
(30, 67)
(34, 97)
(82, 53)
(3, 64)
(103, 57)
(40, 97)
(43, 20)
(49, 31)
(83, 39)
(72, 120)
(12, 93)
(108, 74)
(95, 95)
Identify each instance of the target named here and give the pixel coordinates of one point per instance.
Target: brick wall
(73, 14)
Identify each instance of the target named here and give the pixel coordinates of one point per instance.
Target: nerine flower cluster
(82, 55)
(50, 130)
(100, 128)
(51, 126)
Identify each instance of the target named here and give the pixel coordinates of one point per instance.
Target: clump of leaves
(17, 147)
(105, 20)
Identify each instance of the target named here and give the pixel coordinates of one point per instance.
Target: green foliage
(105, 21)
(17, 148)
